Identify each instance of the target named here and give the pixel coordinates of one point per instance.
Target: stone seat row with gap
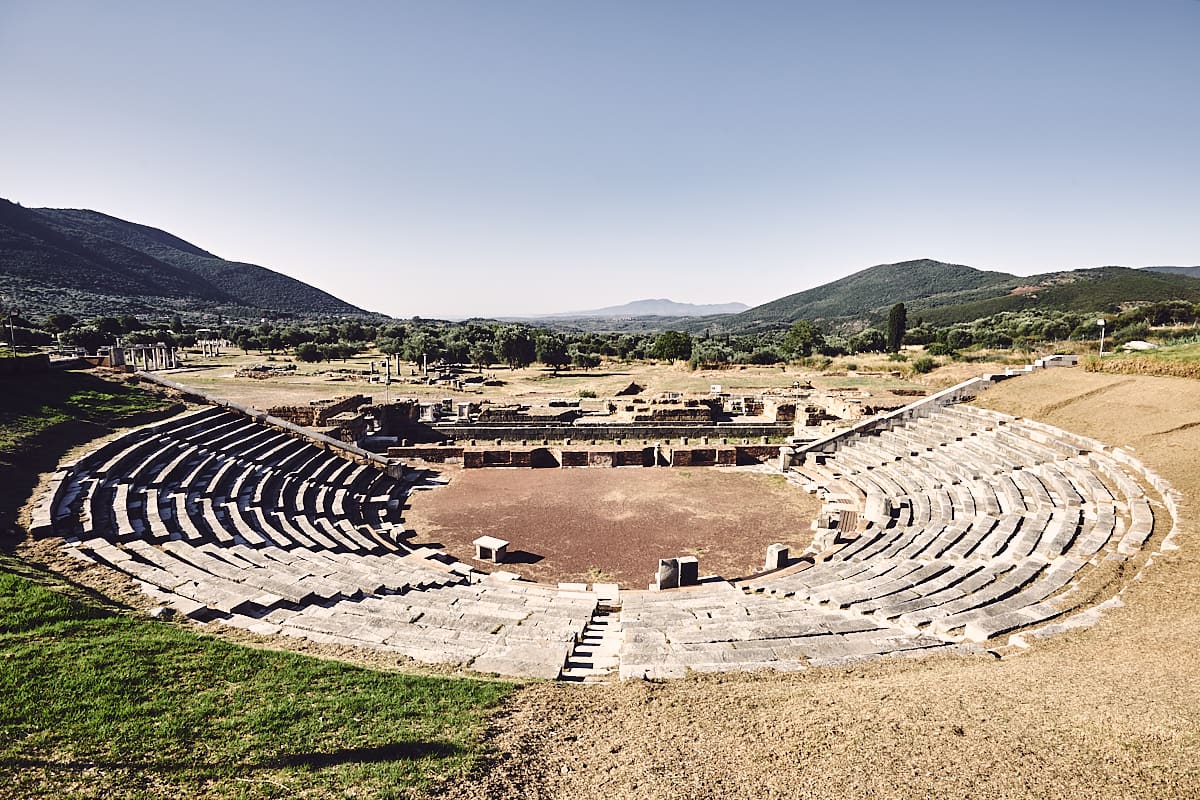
(977, 525)
(1057, 521)
(971, 525)
(236, 522)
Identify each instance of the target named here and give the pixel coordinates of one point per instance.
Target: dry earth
(614, 524)
(529, 385)
(1110, 711)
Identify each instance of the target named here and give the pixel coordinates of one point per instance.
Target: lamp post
(1100, 322)
(11, 312)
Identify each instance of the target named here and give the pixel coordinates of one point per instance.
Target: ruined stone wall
(18, 365)
(318, 413)
(604, 433)
(434, 454)
(701, 456)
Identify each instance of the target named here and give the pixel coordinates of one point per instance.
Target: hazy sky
(455, 158)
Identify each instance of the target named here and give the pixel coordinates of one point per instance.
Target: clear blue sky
(454, 158)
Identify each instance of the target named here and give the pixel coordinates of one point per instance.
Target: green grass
(1185, 351)
(138, 708)
(32, 404)
(98, 702)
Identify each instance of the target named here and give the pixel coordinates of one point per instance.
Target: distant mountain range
(650, 308)
(936, 291)
(88, 263)
(1191, 272)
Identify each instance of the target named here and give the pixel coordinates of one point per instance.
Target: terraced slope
(944, 532)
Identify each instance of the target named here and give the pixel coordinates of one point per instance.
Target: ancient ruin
(944, 527)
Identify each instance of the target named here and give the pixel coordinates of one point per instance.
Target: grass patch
(129, 707)
(95, 702)
(35, 403)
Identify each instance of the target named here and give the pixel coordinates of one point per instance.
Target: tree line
(485, 344)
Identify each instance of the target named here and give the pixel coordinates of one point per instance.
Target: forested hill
(947, 293)
(1191, 272)
(86, 263)
(873, 290)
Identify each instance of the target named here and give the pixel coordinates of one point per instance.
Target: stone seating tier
(949, 529)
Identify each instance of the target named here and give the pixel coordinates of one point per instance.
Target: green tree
(802, 338)
(89, 338)
(60, 323)
(583, 359)
(868, 341)
(308, 351)
(897, 324)
(672, 346)
(552, 350)
(482, 355)
(514, 346)
(109, 327)
(710, 353)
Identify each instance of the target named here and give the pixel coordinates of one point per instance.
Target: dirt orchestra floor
(612, 525)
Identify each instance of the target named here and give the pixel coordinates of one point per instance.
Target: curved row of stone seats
(231, 498)
(163, 502)
(715, 627)
(502, 626)
(978, 551)
(976, 525)
(242, 524)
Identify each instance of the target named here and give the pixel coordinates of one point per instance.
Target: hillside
(947, 293)
(870, 292)
(1101, 289)
(87, 263)
(1191, 272)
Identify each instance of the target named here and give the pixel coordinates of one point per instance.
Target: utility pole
(11, 311)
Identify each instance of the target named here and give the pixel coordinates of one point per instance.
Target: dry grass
(530, 385)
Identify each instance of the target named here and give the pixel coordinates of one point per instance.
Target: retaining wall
(606, 433)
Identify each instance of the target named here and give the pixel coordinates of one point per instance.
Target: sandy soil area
(614, 524)
(531, 385)
(1111, 711)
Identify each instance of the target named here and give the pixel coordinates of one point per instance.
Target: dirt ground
(534, 384)
(612, 525)
(1110, 711)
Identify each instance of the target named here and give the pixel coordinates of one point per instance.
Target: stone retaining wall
(348, 451)
(531, 456)
(604, 433)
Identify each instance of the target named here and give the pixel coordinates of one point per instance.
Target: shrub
(939, 349)
(923, 364)
(587, 394)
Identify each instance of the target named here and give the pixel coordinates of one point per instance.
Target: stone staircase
(594, 658)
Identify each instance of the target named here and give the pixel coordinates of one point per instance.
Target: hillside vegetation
(85, 262)
(944, 294)
(872, 291)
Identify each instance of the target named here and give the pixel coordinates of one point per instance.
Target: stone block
(777, 557)
(689, 570)
(667, 576)
(489, 548)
